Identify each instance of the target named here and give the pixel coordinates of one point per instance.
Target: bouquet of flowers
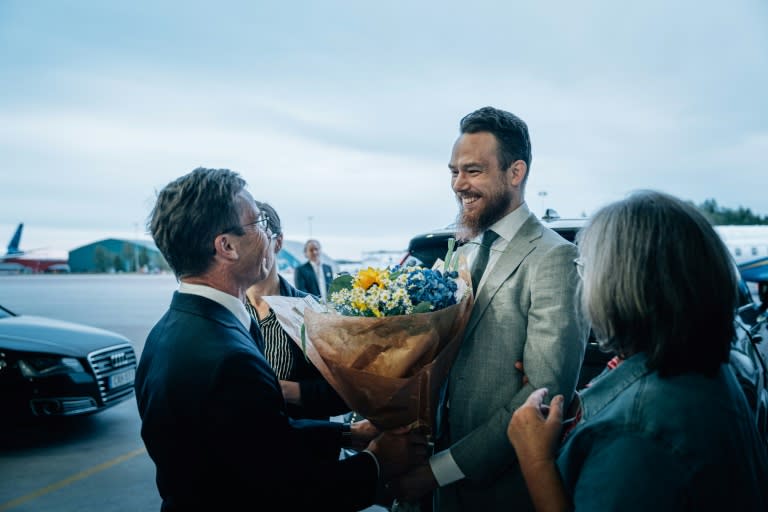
(386, 338)
(376, 292)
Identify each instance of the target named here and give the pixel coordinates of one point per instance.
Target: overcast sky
(343, 114)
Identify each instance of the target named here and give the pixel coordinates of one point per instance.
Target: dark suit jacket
(305, 279)
(214, 422)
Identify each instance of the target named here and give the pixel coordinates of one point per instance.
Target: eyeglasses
(579, 267)
(262, 223)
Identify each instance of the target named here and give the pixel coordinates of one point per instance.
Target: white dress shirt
(230, 302)
(318, 268)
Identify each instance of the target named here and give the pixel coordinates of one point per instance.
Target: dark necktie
(481, 258)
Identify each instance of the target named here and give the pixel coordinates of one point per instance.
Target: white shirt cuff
(378, 468)
(444, 468)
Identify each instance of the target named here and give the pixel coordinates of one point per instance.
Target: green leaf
(423, 307)
(449, 254)
(304, 342)
(455, 263)
(343, 282)
(393, 274)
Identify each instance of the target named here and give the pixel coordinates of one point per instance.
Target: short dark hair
(510, 131)
(658, 279)
(190, 212)
(274, 223)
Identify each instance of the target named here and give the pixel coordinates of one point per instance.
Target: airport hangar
(117, 255)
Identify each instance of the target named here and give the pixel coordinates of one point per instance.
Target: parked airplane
(17, 260)
(746, 243)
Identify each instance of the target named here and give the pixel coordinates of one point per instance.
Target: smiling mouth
(467, 200)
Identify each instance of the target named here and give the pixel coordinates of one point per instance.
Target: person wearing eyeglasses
(667, 426)
(306, 392)
(213, 416)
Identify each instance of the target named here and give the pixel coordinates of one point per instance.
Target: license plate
(121, 379)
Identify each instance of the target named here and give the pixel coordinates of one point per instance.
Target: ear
(516, 172)
(226, 246)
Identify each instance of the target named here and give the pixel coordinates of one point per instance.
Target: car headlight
(45, 366)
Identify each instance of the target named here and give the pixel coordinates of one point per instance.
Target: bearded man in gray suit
(525, 310)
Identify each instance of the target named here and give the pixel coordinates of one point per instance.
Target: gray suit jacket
(525, 311)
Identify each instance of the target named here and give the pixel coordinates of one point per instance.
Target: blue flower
(431, 287)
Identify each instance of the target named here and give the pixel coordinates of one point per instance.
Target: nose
(459, 182)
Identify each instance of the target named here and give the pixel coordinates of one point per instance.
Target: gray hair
(312, 241)
(658, 279)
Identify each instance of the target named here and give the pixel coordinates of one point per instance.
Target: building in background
(117, 255)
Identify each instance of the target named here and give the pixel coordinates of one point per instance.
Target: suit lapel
(313, 286)
(521, 245)
(258, 339)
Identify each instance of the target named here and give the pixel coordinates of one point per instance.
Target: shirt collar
(228, 301)
(508, 226)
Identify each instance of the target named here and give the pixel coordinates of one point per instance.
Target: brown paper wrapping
(389, 369)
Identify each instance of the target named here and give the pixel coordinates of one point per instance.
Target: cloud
(347, 114)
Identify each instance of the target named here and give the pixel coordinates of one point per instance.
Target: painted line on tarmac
(72, 479)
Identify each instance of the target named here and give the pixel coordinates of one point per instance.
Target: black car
(52, 368)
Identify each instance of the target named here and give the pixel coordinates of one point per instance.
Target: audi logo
(120, 359)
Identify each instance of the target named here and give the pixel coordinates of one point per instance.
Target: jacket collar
(205, 307)
(608, 385)
(234, 304)
(519, 247)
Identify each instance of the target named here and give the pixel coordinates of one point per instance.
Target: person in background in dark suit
(306, 392)
(213, 417)
(314, 276)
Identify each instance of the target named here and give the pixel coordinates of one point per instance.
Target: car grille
(112, 361)
(63, 406)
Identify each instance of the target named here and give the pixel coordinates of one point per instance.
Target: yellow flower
(369, 277)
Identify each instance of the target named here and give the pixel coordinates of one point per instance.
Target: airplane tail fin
(13, 245)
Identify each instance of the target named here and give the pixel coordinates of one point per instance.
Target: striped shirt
(279, 349)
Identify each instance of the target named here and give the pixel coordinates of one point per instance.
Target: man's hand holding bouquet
(386, 338)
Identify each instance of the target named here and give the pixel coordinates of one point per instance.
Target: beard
(469, 225)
